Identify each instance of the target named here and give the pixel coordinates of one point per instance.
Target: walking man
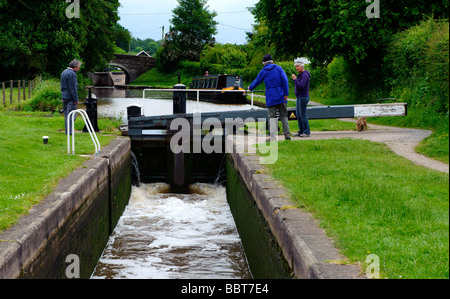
(69, 91)
(277, 91)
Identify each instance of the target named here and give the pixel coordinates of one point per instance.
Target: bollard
(179, 100)
(91, 110)
(134, 110)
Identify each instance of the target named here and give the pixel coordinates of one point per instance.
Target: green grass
(157, 79)
(30, 170)
(316, 125)
(15, 99)
(436, 146)
(371, 201)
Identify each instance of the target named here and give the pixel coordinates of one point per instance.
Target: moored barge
(216, 87)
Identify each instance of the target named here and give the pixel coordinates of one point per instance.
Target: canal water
(171, 236)
(114, 102)
(175, 236)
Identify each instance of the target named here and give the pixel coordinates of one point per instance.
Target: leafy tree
(418, 60)
(123, 37)
(38, 37)
(323, 29)
(225, 58)
(193, 26)
(149, 45)
(289, 24)
(259, 44)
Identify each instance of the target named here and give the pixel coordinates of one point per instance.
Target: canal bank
(280, 240)
(74, 223)
(70, 228)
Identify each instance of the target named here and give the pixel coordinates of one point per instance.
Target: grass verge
(30, 170)
(371, 201)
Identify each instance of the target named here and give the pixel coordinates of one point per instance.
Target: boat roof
(214, 76)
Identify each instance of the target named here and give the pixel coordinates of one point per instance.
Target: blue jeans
(302, 117)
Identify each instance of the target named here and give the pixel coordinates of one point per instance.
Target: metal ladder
(71, 131)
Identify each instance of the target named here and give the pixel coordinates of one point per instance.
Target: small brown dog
(361, 124)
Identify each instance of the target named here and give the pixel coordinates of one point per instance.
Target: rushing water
(168, 236)
(164, 235)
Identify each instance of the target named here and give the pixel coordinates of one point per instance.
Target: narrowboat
(216, 87)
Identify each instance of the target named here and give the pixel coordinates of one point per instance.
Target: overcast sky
(145, 18)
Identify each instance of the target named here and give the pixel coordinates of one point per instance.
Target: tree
(149, 45)
(193, 26)
(123, 37)
(323, 29)
(40, 37)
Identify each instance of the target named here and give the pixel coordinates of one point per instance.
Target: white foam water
(173, 236)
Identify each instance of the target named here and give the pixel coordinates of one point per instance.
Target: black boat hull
(219, 97)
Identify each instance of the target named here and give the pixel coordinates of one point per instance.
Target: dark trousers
(282, 108)
(69, 106)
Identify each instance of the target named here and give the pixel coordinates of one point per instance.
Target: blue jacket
(69, 85)
(277, 84)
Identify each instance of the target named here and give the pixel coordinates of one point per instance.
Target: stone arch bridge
(133, 65)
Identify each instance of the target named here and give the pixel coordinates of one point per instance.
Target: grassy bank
(30, 170)
(371, 201)
(7, 102)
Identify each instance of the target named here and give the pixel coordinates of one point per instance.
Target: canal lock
(184, 227)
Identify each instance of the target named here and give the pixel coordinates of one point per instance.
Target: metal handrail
(198, 92)
(71, 131)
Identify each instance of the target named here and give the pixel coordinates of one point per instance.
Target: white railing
(71, 131)
(198, 92)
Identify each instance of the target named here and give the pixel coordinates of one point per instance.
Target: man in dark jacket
(69, 90)
(277, 91)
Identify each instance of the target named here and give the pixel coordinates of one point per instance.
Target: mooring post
(134, 110)
(179, 100)
(91, 110)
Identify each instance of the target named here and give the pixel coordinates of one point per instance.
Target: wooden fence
(21, 92)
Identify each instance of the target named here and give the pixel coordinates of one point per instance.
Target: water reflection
(114, 102)
(167, 236)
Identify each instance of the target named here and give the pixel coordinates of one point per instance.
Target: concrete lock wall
(64, 236)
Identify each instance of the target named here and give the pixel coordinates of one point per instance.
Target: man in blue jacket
(277, 91)
(69, 90)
